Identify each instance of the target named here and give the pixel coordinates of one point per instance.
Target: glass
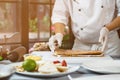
(44, 22)
(8, 22)
(7, 17)
(39, 22)
(9, 25)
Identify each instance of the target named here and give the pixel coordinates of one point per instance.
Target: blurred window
(25, 22)
(10, 23)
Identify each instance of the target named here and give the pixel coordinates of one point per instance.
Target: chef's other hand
(103, 38)
(55, 38)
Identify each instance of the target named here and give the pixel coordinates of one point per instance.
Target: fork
(69, 77)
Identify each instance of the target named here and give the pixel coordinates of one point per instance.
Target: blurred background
(25, 22)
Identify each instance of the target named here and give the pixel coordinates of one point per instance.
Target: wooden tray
(78, 53)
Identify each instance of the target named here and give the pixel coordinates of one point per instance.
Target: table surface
(81, 74)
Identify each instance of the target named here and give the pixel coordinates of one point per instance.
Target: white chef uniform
(88, 17)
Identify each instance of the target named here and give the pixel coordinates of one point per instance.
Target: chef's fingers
(52, 48)
(59, 38)
(59, 43)
(51, 43)
(104, 44)
(101, 39)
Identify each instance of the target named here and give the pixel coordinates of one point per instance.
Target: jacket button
(102, 6)
(79, 9)
(81, 28)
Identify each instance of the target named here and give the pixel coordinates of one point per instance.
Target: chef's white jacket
(87, 18)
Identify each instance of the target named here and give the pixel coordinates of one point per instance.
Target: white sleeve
(118, 7)
(60, 12)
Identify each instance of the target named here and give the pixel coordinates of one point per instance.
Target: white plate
(106, 66)
(72, 68)
(6, 71)
(100, 77)
(4, 75)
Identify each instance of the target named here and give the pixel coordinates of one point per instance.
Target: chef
(89, 20)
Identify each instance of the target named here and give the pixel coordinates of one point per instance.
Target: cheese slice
(48, 68)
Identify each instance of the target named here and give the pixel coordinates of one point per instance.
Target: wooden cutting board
(78, 53)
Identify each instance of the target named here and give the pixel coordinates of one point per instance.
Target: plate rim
(96, 70)
(37, 74)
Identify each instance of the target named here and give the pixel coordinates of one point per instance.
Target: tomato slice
(64, 63)
(55, 62)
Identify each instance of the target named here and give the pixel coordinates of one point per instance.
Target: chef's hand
(103, 37)
(57, 37)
